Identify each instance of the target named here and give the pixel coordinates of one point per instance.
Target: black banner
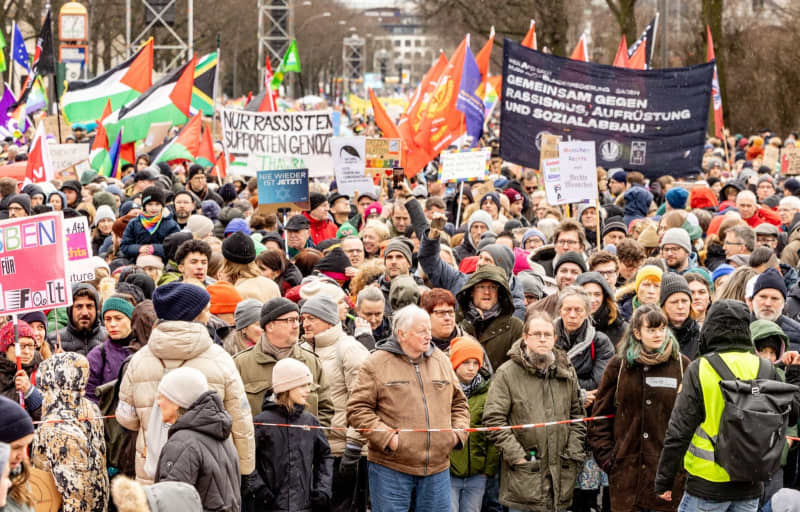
(650, 121)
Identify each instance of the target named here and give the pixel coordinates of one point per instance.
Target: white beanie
(104, 212)
(182, 386)
(199, 226)
(288, 374)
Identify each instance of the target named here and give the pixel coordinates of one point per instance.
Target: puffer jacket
(73, 451)
(495, 334)
(105, 361)
(294, 465)
(73, 339)
(588, 350)
(628, 446)
(175, 344)
(521, 393)
(394, 392)
(255, 366)
(480, 456)
(341, 357)
(199, 451)
(320, 229)
(135, 236)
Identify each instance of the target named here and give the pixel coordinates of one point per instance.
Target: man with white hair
(408, 383)
(787, 209)
(766, 298)
(752, 213)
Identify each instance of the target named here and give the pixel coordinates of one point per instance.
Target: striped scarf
(151, 222)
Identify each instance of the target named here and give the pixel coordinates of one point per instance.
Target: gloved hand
(350, 458)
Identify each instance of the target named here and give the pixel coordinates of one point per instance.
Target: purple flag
(468, 102)
(5, 104)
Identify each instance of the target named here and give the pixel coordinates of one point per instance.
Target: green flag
(2, 55)
(290, 62)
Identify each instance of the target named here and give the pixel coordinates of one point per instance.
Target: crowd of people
(413, 347)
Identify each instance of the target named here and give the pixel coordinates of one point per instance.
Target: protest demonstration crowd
(499, 319)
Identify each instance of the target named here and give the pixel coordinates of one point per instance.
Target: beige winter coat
(341, 356)
(174, 344)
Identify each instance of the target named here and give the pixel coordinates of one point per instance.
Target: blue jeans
(390, 490)
(691, 503)
(467, 493)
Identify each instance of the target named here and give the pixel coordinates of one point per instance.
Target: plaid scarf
(151, 222)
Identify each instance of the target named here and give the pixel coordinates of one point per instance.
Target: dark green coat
(497, 334)
(480, 456)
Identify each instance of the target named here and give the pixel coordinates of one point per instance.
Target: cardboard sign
(771, 156)
(279, 140)
(349, 165)
(79, 249)
(383, 155)
(572, 177)
(471, 165)
(74, 171)
(790, 161)
(65, 155)
(51, 127)
(286, 188)
(551, 169)
(156, 135)
(33, 264)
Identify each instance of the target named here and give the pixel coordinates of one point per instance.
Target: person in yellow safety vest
(708, 486)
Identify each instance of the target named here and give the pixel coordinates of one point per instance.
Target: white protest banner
(470, 165)
(261, 141)
(572, 177)
(349, 165)
(65, 155)
(79, 250)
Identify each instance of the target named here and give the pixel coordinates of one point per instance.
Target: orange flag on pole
(716, 92)
(382, 119)
(580, 52)
(639, 58)
(529, 40)
(483, 56)
(621, 60)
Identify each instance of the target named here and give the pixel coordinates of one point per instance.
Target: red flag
(530, 38)
(220, 167)
(206, 148)
(483, 57)
(269, 102)
(101, 137)
(411, 118)
(580, 52)
(621, 60)
(639, 58)
(39, 168)
(181, 94)
(249, 98)
(127, 152)
(382, 119)
(139, 76)
(716, 92)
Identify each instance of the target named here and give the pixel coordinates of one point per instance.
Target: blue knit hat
(179, 301)
(16, 421)
(721, 270)
(115, 303)
(677, 197)
(237, 225)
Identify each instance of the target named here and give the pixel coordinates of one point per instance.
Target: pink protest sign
(33, 269)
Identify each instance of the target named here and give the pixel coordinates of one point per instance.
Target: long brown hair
(20, 492)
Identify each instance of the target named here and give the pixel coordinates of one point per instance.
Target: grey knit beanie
(677, 236)
(322, 307)
(247, 312)
(672, 283)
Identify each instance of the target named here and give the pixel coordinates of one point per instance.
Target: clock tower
(73, 31)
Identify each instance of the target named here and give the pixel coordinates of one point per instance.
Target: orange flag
(639, 58)
(382, 119)
(530, 38)
(483, 57)
(621, 60)
(580, 53)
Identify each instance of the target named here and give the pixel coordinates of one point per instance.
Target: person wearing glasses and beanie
(280, 320)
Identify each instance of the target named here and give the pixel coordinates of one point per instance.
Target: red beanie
(702, 197)
(7, 334)
(462, 349)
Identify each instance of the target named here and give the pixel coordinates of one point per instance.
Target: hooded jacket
(495, 334)
(73, 451)
(615, 329)
(726, 329)
(588, 350)
(294, 465)
(75, 340)
(479, 456)
(199, 451)
(341, 357)
(392, 391)
(320, 229)
(637, 203)
(521, 394)
(467, 248)
(105, 361)
(174, 344)
(135, 236)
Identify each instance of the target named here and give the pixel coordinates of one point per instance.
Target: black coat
(200, 452)
(294, 466)
(74, 339)
(588, 350)
(688, 336)
(135, 236)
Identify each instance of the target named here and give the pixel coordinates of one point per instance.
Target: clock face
(73, 27)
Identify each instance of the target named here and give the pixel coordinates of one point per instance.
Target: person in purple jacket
(106, 360)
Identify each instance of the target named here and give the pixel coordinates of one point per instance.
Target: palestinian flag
(98, 154)
(167, 100)
(83, 101)
(186, 144)
(205, 153)
(205, 85)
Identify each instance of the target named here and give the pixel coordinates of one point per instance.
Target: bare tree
(625, 13)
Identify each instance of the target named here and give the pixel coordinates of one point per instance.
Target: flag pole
(11, 60)
(55, 76)
(214, 88)
(458, 211)
(17, 353)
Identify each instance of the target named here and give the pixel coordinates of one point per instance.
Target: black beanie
(173, 241)
(770, 278)
(335, 261)
(672, 283)
(22, 200)
(316, 199)
(153, 193)
(16, 421)
(570, 257)
(239, 248)
(194, 169)
(274, 308)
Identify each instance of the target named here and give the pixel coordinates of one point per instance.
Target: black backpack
(752, 430)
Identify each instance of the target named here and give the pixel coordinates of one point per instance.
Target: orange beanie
(462, 349)
(224, 297)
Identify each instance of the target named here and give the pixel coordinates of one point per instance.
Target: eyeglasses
(27, 346)
(607, 273)
(731, 243)
(542, 335)
(294, 320)
(567, 243)
(444, 312)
